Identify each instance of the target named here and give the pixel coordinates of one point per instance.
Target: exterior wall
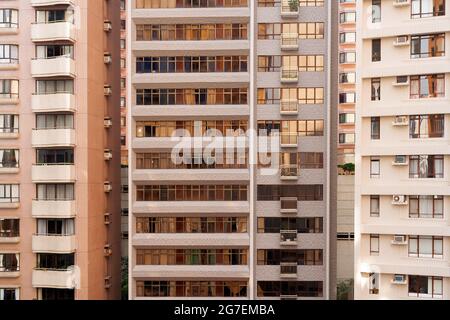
(90, 169)
(394, 219)
(252, 176)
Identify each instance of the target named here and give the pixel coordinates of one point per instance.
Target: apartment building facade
(346, 60)
(59, 172)
(402, 154)
(228, 230)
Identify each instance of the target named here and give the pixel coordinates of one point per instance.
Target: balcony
(289, 107)
(288, 270)
(288, 172)
(9, 98)
(9, 64)
(44, 3)
(53, 173)
(56, 31)
(53, 138)
(53, 67)
(289, 9)
(53, 102)
(288, 140)
(53, 209)
(53, 243)
(289, 41)
(288, 237)
(47, 278)
(9, 203)
(288, 76)
(288, 205)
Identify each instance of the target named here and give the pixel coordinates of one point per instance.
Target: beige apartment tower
(402, 233)
(229, 230)
(59, 149)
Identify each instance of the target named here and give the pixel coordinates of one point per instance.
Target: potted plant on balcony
(293, 5)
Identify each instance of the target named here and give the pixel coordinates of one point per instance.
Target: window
(9, 54)
(52, 16)
(427, 8)
(9, 158)
(347, 37)
(54, 86)
(302, 225)
(374, 167)
(310, 160)
(375, 128)
(302, 192)
(123, 44)
(54, 156)
(9, 228)
(427, 86)
(376, 11)
(123, 5)
(345, 118)
(54, 121)
(374, 206)
(425, 287)
(9, 294)
(55, 227)
(347, 97)
(56, 294)
(346, 138)
(55, 192)
(156, 4)
(9, 18)
(9, 123)
(347, 57)
(347, 17)
(53, 51)
(9, 262)
(426, 207)
(191, 193)
(9, 89)
(347, 77)
(55, 261)
(429, 45)
(374, 244)
(376, 50)
(305, 30)
(426, 166)
(181, 288)
(426, 126)
(192, 257)
(375, 89)
(425, 247)
(291, 288)
(9, 193)
(191, 225)
(191, 32)
(374, 283)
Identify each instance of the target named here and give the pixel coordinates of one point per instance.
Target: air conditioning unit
(401, 81)
(107, 250)
(107, 218)
(399, 279)
(107, 122)
(401, 3)
(107, 58)
(107, 154)
(400, 121)
(107, 90)
(107, 186)
(107, 25)
(401, 41)
(400, 160)
(399, 239)
(108, 282)
(399, 200)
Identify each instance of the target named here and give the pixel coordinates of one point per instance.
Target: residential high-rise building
(209, 229)
(346, 60)
(402, 154)
(60, 151)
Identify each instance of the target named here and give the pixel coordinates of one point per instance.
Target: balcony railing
(289, 75)
(288, 270)
(289, 171)
(288, 237)
(289, 107)
(288, 139)
(289, 41)
(289, 9)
